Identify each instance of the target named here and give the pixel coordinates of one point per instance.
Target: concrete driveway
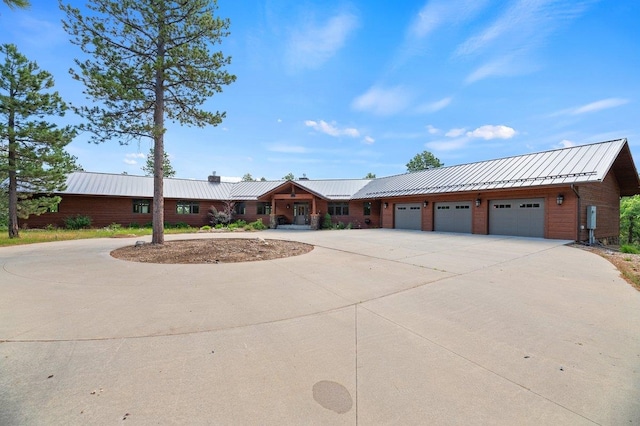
(371, 327)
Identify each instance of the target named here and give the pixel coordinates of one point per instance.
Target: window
(142, 206)
(530, 206)
(338, 209)
(187, 207)
(239, 208)
(462, 207)
(366, 208)
(264, 208)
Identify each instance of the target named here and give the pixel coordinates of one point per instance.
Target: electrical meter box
(591, 217)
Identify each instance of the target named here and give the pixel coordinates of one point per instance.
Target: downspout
(578, 217)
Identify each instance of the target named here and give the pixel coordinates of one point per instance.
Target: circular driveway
(371, 327)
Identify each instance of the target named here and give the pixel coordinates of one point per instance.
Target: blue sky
(337, 89)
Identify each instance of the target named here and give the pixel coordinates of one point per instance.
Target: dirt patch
(628, 264)
(219, 250)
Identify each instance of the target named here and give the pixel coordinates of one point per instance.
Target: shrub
(134, 225)
(326, 223)
(205, 228)
(340, 225)
(219, 226)
(258, 225)
(77, 222)
(626, 248)
(181, 225)
(349, 225)
(241, 223)
(217, 217)
(148, 225)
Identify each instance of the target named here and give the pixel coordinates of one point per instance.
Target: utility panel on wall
(591, 217)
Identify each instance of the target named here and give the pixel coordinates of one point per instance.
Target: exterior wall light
(386, 205)
(288, 206)
(425, 204)
(478, 201)
(560, 199)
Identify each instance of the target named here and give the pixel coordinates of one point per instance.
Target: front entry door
(301, 213)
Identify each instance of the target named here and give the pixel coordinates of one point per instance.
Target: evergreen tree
(151, 60)
(288, 176)
(423, 161)
(22, 4)
(370, 176)
(167, 168)
(247, 178)
(33, 152)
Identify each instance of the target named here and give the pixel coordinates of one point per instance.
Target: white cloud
(435, 106)
(381, 101)
(600, 105)
(507, 42)
(489, 132)
(448, 144)
(368, 140)
(592, 107)
(131, 158)
(331, 130)
(432, 130)
(454, 133)
(287, 149)
(312, 45)
(565, 143)
(435, 14)
(523, 25)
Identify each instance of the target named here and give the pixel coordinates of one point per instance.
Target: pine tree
(151, 60)
(167, 168)
(33, 152)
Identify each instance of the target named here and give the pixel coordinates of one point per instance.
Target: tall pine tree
(33, 152)
(150, 60)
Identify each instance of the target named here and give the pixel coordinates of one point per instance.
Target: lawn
(31, 236)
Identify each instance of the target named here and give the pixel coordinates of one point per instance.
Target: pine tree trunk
(158, 139)
(13, 181)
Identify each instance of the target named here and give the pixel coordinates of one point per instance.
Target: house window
(187, 207)
(338, 209)
(264, 208)
(239, 208)
(141, 206)
(366, 208)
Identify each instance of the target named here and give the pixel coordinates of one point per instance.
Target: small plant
(326, 223)
(241, 223)
(50, 227)
(148, 225)
(258, 225)
(233, 226)
(114, 227)
(205, 228)
(627, 248)
(349, 226)
(181, 225)
(340, 225)
(134, 225)
(219, 226)
(77, 222)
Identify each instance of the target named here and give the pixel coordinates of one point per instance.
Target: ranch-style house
(570, 193)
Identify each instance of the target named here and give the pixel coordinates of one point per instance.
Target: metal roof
(579, 164)
(87, 183)
(253, 189)
(334, 189)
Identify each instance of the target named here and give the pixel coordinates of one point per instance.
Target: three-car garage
(518, 217)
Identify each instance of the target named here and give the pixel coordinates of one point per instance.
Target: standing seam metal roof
(585, 163)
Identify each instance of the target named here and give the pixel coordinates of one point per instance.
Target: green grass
(32, 236)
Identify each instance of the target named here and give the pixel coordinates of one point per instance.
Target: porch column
(273, 218)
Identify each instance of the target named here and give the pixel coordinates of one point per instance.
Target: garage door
(521, 217)
(453, 217)
(408, 216)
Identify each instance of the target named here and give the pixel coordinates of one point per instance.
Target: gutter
(573, 188)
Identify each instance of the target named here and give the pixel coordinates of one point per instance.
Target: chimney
(213, 178)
